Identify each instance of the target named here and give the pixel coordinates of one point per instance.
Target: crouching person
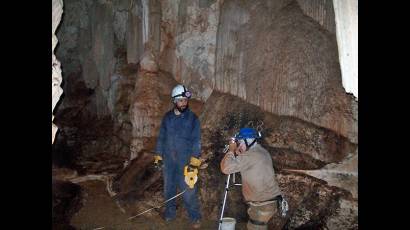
(259, 186)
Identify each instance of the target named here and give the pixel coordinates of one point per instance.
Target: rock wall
(188, 41)
(56, 78)
(346, 13)
(294, 143)
(321, 11)
(134, 41)
(92, 46)
(272, 55)
(99, 81)
(279, 55)
(95, 37)
(316, 168)
(148, 107)
(150, 101)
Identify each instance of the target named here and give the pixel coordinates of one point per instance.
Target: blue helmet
(247, 133)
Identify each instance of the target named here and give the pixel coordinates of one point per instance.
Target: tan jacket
(258, 176)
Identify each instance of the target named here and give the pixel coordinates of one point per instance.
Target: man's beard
(181, 110)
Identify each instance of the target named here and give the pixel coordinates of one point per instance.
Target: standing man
(259, 186)
(179, 146)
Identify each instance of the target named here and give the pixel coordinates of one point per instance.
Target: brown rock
(293, 143)
(148, 63)
(274, 56)
(136, 178)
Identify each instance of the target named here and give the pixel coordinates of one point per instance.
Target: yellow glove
(157, 158)
(191, 175)
(191, 172)
(195, 162)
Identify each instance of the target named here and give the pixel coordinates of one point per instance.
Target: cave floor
(99, 211)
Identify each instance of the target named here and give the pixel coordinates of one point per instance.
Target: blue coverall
(179, 139)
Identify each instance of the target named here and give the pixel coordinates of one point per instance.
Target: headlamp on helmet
(180, 91)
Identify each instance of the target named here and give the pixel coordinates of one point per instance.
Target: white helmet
(180, 91)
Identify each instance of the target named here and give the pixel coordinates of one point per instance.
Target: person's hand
(157, 158)
(191, 172)
(195, 162)
(232, 146)
(157, 161)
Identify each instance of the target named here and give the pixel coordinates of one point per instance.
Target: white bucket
(228, 223)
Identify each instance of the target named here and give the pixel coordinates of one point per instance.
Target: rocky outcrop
(274, 56)
(279, 55)
(316, 205)
(322, 196)
(56, 78)
(294, 143)
(342, 175)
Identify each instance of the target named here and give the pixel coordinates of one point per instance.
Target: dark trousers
(174, 179)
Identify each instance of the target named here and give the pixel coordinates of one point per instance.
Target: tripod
(225, 195)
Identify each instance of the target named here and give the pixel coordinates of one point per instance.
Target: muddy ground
(100, 211)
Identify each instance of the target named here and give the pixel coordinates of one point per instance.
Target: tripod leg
(224, 201)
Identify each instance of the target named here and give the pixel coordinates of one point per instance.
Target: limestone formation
(188, 43)
(56, 77)
(274, 56)
(278, 66)
(148, 62)
(346, 13)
